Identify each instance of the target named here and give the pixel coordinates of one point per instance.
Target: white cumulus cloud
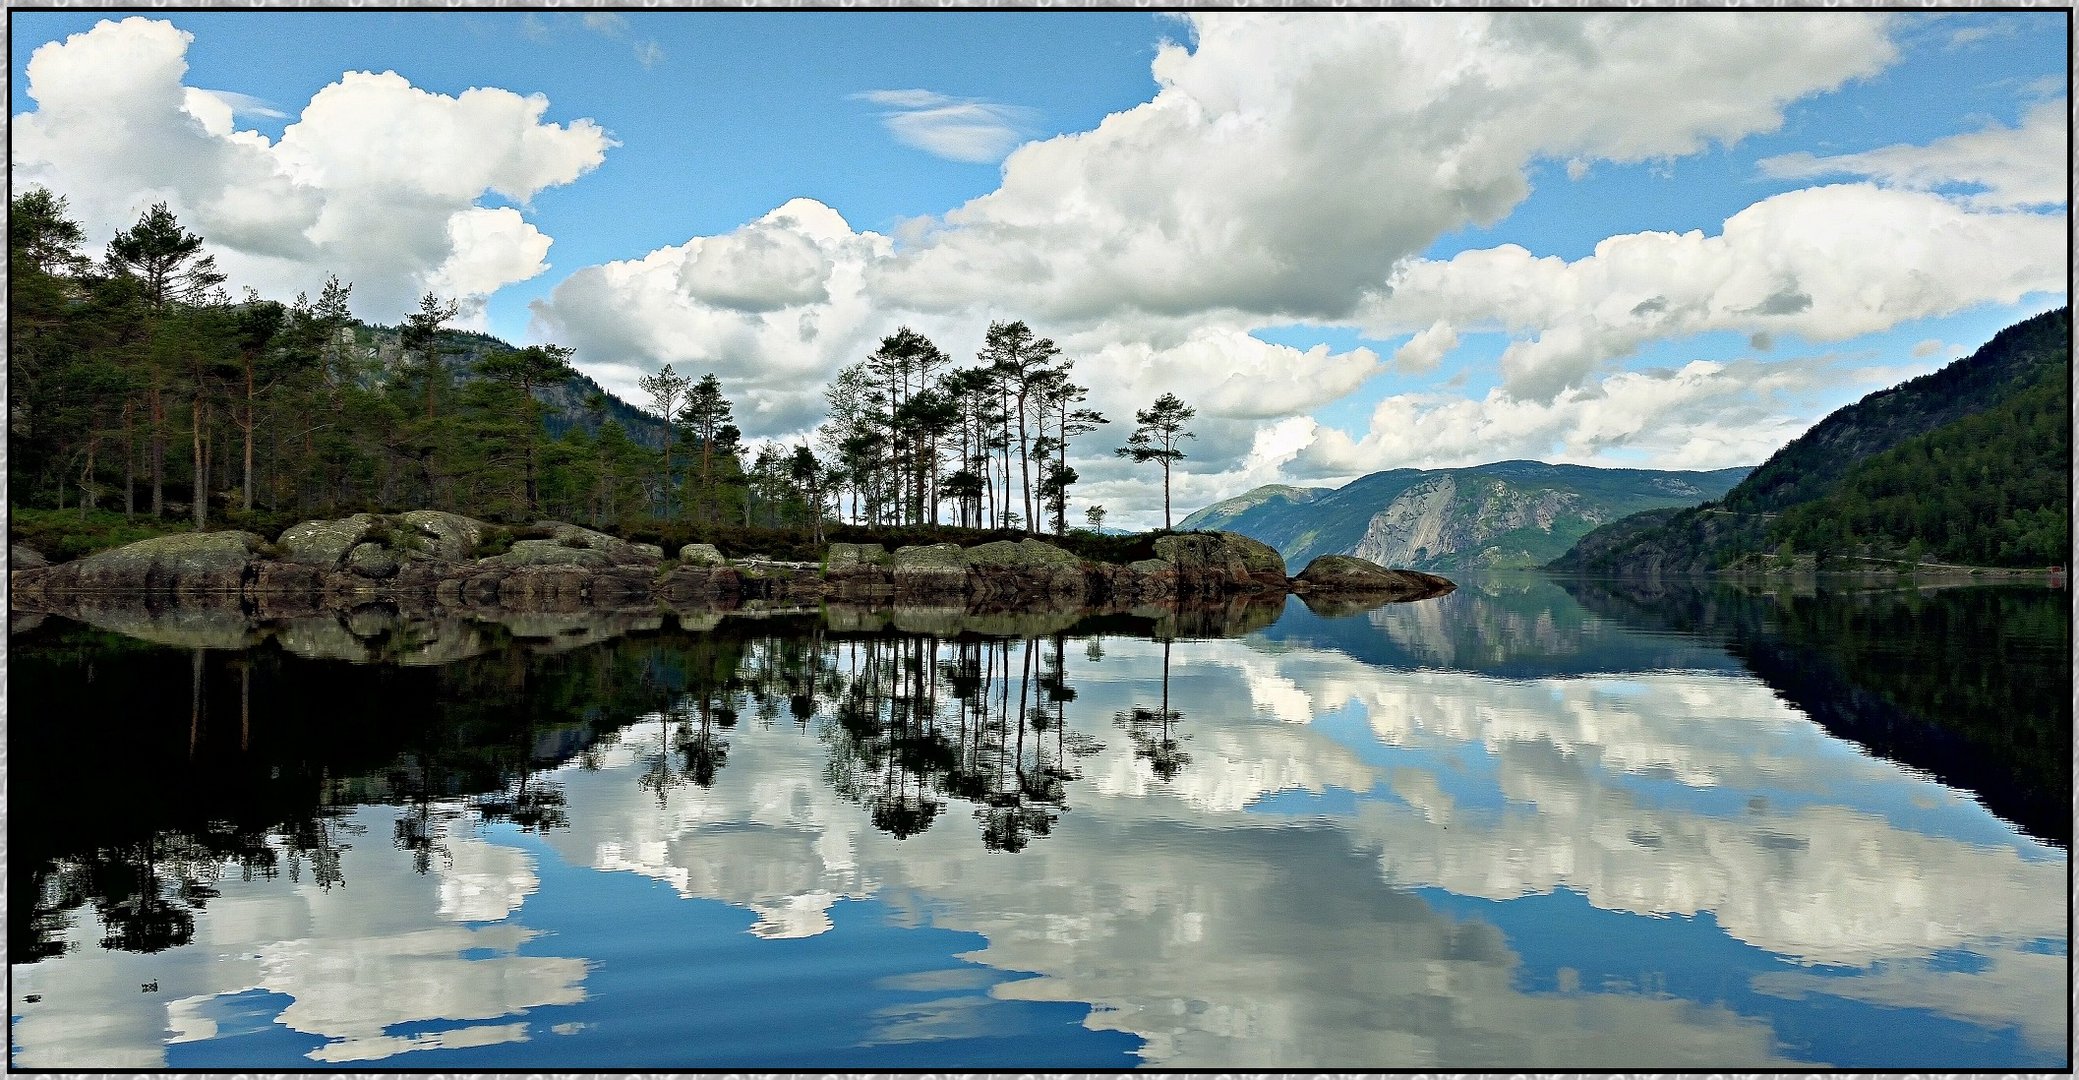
(377, 180)
(1290, 160)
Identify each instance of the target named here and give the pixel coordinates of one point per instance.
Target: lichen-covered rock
(701, 555)
(1025, 572)
(1141, 580)
(618, 552)
(861, 573)
(324, 544)
(24, 557)
(526, 553)
(1020, 554)
(621, 587)
(274, 576)
(373, 561)
(843, 557)
(1348, 574)
(1261, 560)
(929, 557)
(440, 535)
(184, 563)
(696, 584)
(1221, 558)
(930, 571)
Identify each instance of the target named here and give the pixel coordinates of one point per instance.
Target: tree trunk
(707, 494)
(201, 493)
(247, 499)
(667, 462)
(1060, 470)
(1165, 494)
(1024, 468)
(158, 451)
(129, 462)
(86, 479)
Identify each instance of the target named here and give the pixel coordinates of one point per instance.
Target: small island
(432, 559)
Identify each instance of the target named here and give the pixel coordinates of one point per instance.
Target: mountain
(570, 402)
(1969, 464)
(1507, 514)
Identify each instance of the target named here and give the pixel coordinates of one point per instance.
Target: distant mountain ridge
(1507, 514)
(1970, 463)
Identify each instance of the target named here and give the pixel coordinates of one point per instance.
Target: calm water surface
(1528, 825)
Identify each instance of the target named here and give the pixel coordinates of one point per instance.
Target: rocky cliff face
(1469, 523)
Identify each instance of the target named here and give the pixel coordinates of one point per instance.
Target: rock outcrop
(1209, 564)
(324, 544)
(445, 536)
(181, 564)
(702, 555)
(1349, 575)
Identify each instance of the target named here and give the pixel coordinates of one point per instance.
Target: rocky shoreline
(432, 559)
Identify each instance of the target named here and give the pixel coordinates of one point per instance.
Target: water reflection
(1971, 684)
(1500, 829)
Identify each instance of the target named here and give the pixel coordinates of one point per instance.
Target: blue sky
(1306, 224)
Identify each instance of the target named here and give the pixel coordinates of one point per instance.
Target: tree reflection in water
(918, 722)
(142, 828)
(1153, 731)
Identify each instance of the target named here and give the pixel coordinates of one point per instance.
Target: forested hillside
(1991, 489)
(1967, 465)
(574, 402)
(144, 397)
(1506, 514)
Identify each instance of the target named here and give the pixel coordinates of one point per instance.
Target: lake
(1533, 824)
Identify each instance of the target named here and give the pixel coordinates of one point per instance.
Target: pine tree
(1160, 428)
(166, 263)
(527, 370)
(708, 414)
(666, 389)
